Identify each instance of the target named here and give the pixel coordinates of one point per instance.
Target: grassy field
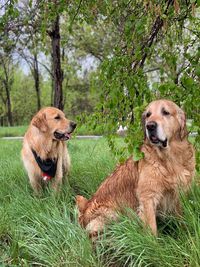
(20, 131)
(13, 131)
(44, 231)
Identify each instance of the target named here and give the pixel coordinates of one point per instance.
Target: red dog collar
(46, 177)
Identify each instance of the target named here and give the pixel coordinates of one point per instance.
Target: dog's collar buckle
(46, 177)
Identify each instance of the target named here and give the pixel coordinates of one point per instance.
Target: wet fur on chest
(173, 166)
(163, 173)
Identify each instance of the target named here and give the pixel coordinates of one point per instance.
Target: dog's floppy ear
(182, 121)
(40, 122)
(81, 203)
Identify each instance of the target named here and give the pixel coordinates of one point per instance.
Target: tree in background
(54, 34)
(144, 31)
(6, 81)
(7, 45)
(29, 44)
(20, 29)
(141, 50)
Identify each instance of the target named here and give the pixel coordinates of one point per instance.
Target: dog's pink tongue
(68, 135)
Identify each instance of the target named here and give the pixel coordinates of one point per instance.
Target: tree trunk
(57, 71)
(8, 102)
(7, 81)
(52, 83)
(37, 81)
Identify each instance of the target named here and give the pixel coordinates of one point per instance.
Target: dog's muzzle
(152, 129)
(63, 136)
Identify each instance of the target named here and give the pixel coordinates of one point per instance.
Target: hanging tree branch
(157, 26)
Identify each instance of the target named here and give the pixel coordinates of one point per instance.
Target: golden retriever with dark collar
(44, 151)
(151, 185)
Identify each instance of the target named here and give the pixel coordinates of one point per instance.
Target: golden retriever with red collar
(44, 151)
(151, 185)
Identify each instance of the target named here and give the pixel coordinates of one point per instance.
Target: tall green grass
(43, 231)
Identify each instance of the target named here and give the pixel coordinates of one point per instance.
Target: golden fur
(41, 137)
(149, 186)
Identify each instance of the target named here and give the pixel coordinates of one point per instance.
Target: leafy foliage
(140, 51)
(155, 55)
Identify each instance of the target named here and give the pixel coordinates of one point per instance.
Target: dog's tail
(81, 203)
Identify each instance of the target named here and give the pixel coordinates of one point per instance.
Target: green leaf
(137, 154)
(197, 71)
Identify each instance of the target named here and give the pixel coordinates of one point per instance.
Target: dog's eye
(148, 114)
(165, 112)
(57, 117)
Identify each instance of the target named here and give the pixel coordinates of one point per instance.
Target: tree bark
(56, 62)
(52, 83)
(7, 81)
(37, 81)
(8, 101)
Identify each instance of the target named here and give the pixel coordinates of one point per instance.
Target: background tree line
(136, 50)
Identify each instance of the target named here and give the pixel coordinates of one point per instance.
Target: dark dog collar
(48, 166)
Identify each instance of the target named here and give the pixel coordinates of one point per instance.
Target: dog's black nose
(151, 125)
(73, 124)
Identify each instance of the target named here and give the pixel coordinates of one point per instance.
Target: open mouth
(155, 140)
(62, 136)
